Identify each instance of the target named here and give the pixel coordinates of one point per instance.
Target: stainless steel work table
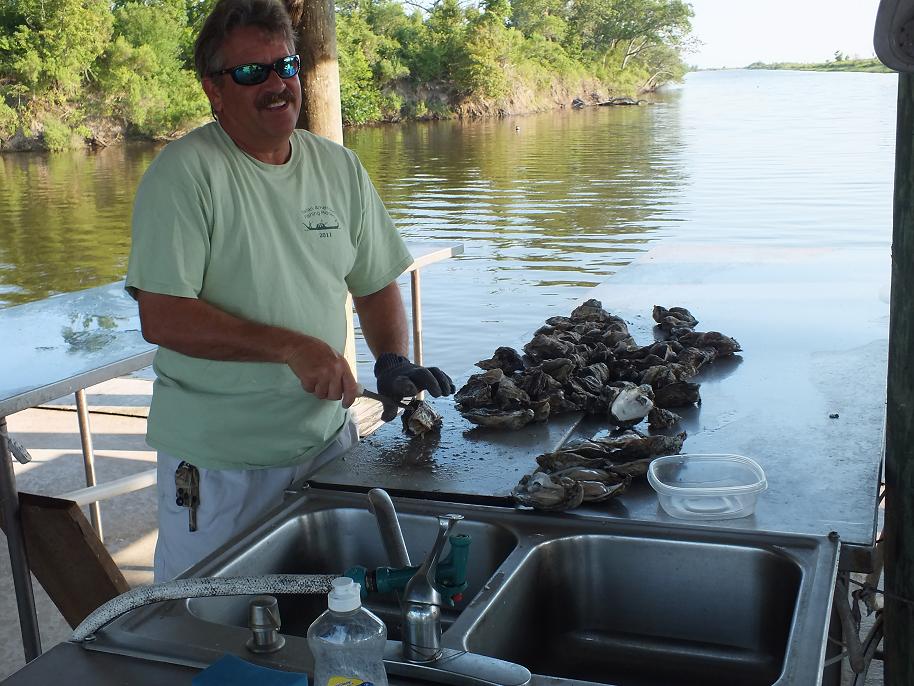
(813, 324)
(68, 342)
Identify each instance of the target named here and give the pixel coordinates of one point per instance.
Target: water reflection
(545, 205)
(64, 219)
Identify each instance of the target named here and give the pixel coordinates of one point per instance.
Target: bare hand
(323, 372)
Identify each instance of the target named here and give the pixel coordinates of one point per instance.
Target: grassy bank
(866, 65)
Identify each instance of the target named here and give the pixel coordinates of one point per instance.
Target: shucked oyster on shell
(630, 403)
(545, 492)
(420, 417)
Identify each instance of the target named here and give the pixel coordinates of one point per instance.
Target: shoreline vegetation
(840, 63)
(77, 73)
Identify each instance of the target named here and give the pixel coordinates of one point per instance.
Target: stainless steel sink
(644, 612)
(329, 540)
(575, 598)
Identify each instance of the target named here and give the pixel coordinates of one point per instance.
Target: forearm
(383, 321)
(198, 329)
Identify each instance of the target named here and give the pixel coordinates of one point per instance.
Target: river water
(546, 206)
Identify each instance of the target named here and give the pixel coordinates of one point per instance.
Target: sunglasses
(254, 73)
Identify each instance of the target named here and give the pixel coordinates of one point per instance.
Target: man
(247, 236)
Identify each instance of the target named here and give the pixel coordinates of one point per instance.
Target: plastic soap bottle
(347, 641)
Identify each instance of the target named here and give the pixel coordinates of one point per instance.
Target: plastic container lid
(715, 486)
(345, 595)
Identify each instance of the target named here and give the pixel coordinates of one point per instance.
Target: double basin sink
(575, 598)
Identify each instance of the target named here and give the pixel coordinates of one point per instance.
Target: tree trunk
(315, 24)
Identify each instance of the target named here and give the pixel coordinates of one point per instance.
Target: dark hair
(269, 15)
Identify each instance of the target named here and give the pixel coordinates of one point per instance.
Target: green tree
(540, 17)
(142, 75)
(52, 44)
(626, 28)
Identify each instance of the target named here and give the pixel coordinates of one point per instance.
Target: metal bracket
(893, 37)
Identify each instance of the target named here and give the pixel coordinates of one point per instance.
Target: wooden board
(67, 557)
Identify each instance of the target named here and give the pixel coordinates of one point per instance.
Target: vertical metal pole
(85, 436)
(416, 297)
(415, 290)
(15, 541)
(899, 432)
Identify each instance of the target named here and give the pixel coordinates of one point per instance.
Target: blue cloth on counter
(230, 670)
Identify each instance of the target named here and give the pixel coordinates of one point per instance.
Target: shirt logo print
(320, 218)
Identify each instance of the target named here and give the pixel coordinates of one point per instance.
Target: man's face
(259, 118)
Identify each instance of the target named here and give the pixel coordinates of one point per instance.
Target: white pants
(231, 500)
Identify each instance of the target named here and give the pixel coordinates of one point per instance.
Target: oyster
(420, 417)
(537, 383)
(630, 445)
(673, 318)
(506, 359)
(679, 394)
(499, 419)
(590, 362)
(658, 376)
(588, 474)
(598, 491)
(723, 346)
(548, 347)
(563, 460)
(541, 410)
(545, 492)
(478, 390)
(558, 368)
(509, 397)
(630, 403)
(658, 418)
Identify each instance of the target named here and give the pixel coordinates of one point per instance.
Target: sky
(735, 33)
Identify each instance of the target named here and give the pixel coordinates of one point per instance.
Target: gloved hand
(398, 377)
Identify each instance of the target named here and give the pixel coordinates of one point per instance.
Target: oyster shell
(545, 492)
(506, 359)
(548, 347)
(673, 318)
(499, 419)
(630, 404)
(509, 397)
(598, 491)
(723, 346)
(658, 418)
(479, 390)
(420, 417)
(679, 394)
(590, 362)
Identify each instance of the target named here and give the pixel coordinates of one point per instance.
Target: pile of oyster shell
(592, 470)
(590, 362)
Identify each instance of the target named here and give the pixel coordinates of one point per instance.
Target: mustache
(268, 99)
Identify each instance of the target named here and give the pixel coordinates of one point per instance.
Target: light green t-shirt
(275, 244)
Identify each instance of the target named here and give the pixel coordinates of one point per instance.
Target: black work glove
(398, 377)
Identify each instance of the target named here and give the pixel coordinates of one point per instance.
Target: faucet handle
(446, 522)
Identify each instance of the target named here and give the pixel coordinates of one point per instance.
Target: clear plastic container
(707, 486)
(347, 641)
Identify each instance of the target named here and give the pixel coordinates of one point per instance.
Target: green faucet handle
(450, 579)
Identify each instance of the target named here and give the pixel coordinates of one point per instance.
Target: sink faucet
(421, 656)
(421, 603)
(382, 507)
